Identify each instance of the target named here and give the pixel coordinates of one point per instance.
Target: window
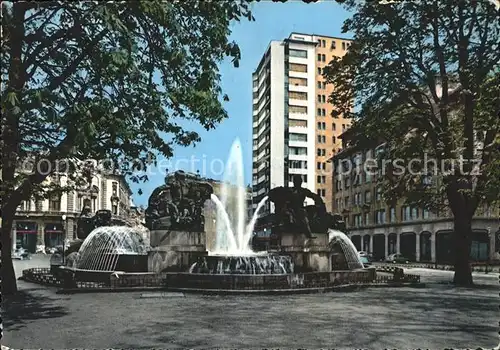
(319, 84)
(319, 98)
(405, 213)
(343, 46)
(115, 209)
(425, 214)
(298, 164)
(55, 203)
(333, 45)
(297, 53)
(319, 112)
(378, 194)
(323, 138)
(323, 43)
(323, 58)
(414, 213)
(337, 204)
(297, 67)
(319, 138)
(115, 189)
(319, 70)
(357, 220)
(323, 152)
(323, 112)
(318, 165)
(392, 214)
(297, 109)
(297, 95)
(323, 98)
(297, 81)
(298, 137)
(368, 197)
(380, 216)
(300, 151)
(323, 179)
(324, 85)
(367, 219)
(334, 139)
(343, 127)
(323, 192)
(299, 123)
(334, 127)
(357, 199)
(318, 152)
(319, 57)
(346, 202)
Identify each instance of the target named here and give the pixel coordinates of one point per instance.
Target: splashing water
(350, 252)
(103, 246)
(233, 236)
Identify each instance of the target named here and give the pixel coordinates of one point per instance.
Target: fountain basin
(257, 264)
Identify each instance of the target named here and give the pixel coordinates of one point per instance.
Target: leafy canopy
(424, 77)
(106, 80)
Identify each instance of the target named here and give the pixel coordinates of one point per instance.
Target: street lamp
(64, 239)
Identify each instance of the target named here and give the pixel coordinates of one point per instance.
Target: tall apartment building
(293, 130)
(383, 228)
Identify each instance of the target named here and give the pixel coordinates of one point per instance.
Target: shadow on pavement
(20, 309)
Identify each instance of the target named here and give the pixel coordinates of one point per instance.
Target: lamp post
(64, 240)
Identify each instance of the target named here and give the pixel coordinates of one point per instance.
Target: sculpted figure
(289, 202)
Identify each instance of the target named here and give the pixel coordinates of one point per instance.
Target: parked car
(397, 259)
(366, 254)
(21, 254)
(366, 262)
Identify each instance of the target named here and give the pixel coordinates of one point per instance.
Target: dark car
(398, 259)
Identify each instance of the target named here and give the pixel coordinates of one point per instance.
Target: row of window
(321, 85)
(322, 126)
(297, 95)
(321, 152)
(321, 192)
(333, 44)
(298, 164)
(321, 166)
(380, 217)
(321, 99)
(297, 137)
(321, 179)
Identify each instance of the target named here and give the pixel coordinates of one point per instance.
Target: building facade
(382, 228)
(293, 130)
(50, 221)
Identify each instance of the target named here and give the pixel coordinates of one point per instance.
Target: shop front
(54, 235)
(26, 236)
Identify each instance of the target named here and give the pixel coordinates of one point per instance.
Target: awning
(26, 227)
(54, 228)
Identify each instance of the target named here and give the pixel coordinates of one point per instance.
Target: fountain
(312, 251)
(113, 248)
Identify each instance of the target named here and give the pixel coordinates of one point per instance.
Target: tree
(105, 81)
(423, 76)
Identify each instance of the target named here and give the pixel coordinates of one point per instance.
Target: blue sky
(273, 21)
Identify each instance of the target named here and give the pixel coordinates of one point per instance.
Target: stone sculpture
(178, 205)
(291, 213)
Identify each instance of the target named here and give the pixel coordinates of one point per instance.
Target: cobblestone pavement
(438, 316)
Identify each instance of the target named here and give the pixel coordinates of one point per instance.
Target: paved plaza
(437, 316)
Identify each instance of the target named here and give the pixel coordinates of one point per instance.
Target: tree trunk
(462, 242)
(9, 285)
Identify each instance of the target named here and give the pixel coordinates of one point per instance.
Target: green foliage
(388, 82)
(108, 80)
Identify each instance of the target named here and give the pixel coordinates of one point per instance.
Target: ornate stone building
(383, 229)
(47, 222)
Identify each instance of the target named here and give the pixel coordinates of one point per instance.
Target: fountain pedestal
(313, 256)
(175, 250)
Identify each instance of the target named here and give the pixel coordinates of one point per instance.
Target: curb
(288, 291)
